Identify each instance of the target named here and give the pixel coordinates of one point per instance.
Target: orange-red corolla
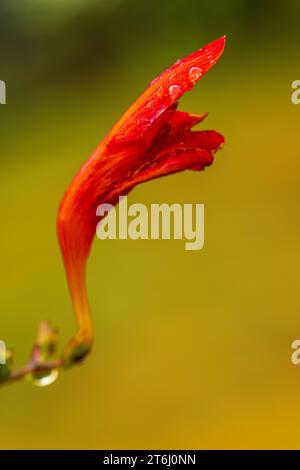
(150, 140)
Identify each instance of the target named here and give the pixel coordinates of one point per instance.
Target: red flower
(150, 140)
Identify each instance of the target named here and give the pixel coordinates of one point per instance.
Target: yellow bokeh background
(193, 349)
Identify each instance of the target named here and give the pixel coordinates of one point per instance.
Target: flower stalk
(152, 139)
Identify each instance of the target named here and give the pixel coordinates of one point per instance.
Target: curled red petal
(208, 140)
(182, 121)
(151, 139)
(167, 89)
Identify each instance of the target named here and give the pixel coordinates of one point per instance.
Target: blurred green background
(192, 348)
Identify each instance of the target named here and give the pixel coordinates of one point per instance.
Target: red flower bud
(150, 140)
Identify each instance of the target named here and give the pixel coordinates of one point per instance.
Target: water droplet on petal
(175, 91)
(144, 121)
(44, 380)
(160, 92)
(194, 74)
